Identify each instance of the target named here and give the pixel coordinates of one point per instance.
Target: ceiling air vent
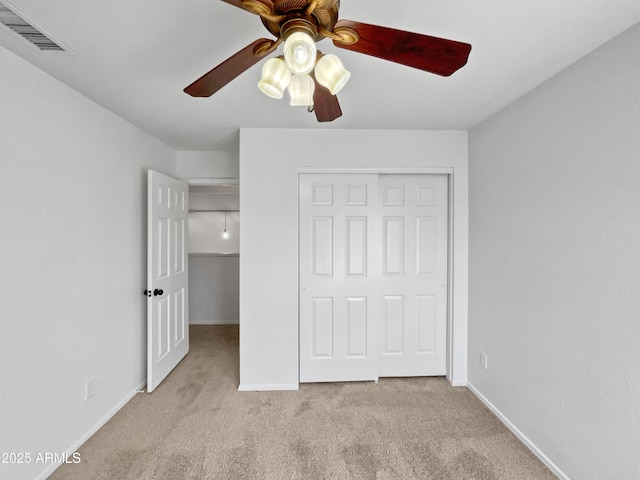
(27, 31)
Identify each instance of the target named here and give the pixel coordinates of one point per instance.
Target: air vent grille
(27, 31)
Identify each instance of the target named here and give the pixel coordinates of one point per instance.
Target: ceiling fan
(312, 78)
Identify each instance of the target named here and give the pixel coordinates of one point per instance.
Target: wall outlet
(484, 360)
(89, 390)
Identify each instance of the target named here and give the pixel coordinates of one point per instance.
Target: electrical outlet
(89, 390)
(484, 360)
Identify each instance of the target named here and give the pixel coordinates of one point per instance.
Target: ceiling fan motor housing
(299, 25)
(323, 17)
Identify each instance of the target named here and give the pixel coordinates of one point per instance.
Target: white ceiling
(135, 57)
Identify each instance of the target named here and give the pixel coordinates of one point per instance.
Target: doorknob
(157, 292)
(147, 293)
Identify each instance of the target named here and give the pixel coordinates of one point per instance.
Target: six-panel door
(336, 273)
(373, 276)
(413, 241)
(167, 276)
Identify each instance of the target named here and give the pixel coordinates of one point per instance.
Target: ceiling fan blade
(233, 66)
(326, 105)
(431, 54)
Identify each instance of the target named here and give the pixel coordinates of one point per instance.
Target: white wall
(206, 226)
(72, 261)
(555, 264)
(213, 289)
(269, 242)
(206, 232)
(207, 165)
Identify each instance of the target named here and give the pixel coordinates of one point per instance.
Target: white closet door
(413, 300)
(338, 278)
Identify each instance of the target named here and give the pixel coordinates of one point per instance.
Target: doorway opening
(192, 269)
(214, 254)
(214, 265)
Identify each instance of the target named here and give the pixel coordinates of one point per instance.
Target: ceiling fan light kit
(331, 73)
(314, 79)
(276, 77)
(301, 58)
(301, 90)
(300, 52)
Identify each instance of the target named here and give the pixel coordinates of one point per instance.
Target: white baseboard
(523, 438)
(214, 322)
(268, 387)
(97, 426)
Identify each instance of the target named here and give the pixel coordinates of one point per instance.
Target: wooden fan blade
(325, 105)
(431, 54)
(217, 78)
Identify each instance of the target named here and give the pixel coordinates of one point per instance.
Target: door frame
(456, 317)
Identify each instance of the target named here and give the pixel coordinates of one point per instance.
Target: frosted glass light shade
(300, 53)
(301, 91)
(331, 73)
(275, 78)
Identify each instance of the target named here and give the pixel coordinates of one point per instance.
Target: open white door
(167, 276)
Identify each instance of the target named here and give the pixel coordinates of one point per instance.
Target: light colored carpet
(196, 426)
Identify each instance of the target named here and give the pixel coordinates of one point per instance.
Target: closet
(373, 276)
(214, 241)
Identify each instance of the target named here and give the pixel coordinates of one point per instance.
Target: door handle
(157, 292)
(147, 293)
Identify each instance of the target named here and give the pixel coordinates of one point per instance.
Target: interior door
(167, 276)
(338, 275)
(413, 237)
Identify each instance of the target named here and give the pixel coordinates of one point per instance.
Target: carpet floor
(196, 426)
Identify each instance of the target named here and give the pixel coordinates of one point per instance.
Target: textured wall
(213, 289)
(269, 242)
(555, 263)
(72, 261)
